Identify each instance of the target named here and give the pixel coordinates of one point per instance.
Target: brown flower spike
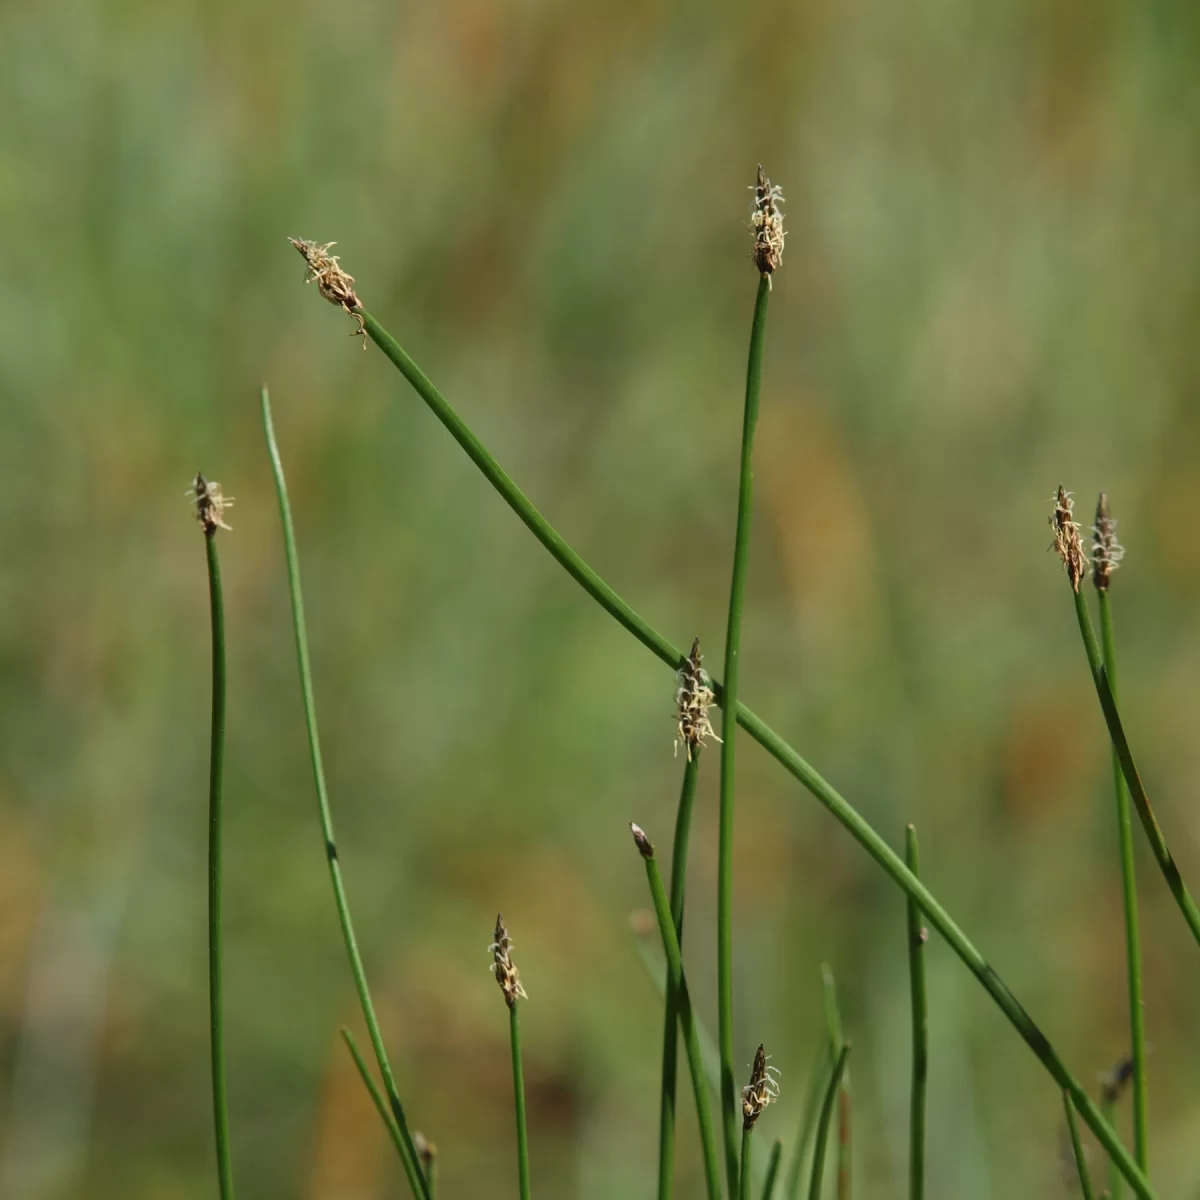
(505, 970)
(210, 503)
(1107, 552)
(762, 1089)
(336, 285)
(766, 221)
(693, 698)
(1066, 538)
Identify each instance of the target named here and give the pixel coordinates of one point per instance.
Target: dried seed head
(210, 504)
(1066, 538)
(505, 970)
(762, 1089)
(645, 849)
(426, 1151)
(693, 698)
(766, 222)
(1107, 552)
(336, 285)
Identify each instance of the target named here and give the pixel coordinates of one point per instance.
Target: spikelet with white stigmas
(1107, 552)
(766, 223)
(503, 967)
(1066, 538)
(210, 503)
(693, 698)
(763, 1089)
(335, 284)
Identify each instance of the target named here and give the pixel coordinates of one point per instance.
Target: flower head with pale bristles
(1107, 552)
(1066, 537)
(335, 284)
(505, 970)
(763, 1089)
(693, 698)
(766, 223)
(210, 503)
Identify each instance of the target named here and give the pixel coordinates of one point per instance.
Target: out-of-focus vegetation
(990, 287)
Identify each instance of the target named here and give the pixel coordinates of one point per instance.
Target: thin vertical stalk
(823, 1123)
(1085, 1179)
(1133, 950)
(772, 1170)
(678, 984)
(1154, 834)
(1116, 1188)
(917, 938)
(514, 1026)
(837, 1041)
(666, 1125)
(216, 771)
(744, 1186)
(733, 636)
(845, 813)
(808, 1119)
(408, 1152)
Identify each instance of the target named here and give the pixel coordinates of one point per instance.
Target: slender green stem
(1133, 949)
(394, 1130)
(745, 1184)
(1085, 1179)
(1116, 1187)
(678, 985)
(666, 1125)
(216, 771)
(823, 1123)
(514, 1026)
(733, 637)
(772, 1169)
(833, 1019)
(826, 794)
(808, 1120)
(917, 938)
(407, 1151)
(1154, 834)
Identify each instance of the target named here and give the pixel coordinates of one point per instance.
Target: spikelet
(1107, 552)
(335, 284)
(1066, 538)
(766, 222)
(763, 1089)
(505, 970)
(210, 503)
(693, 698)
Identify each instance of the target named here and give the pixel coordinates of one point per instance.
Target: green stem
(808, 1121)
(514, 1025)
(772, 1169)
(216, 771)
(408, 1152)
(733, 637)
(1133, 950)
(1154, 834)
(744, 1187)
(833, 1019)
(678, 985)
(823, 1123)
(381, 1104)
(666, 1126)
(1115, 1180)
(826, 794)
(1085, 1179)
(917, 937)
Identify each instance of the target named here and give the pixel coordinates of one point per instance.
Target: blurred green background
(990, 287)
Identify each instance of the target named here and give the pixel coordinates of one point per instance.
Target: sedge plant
(509, 979)
(338, 288)
(917, 937)
(211, 503)
(408, 1153)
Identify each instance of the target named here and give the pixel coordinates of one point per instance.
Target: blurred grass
(988, 289)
